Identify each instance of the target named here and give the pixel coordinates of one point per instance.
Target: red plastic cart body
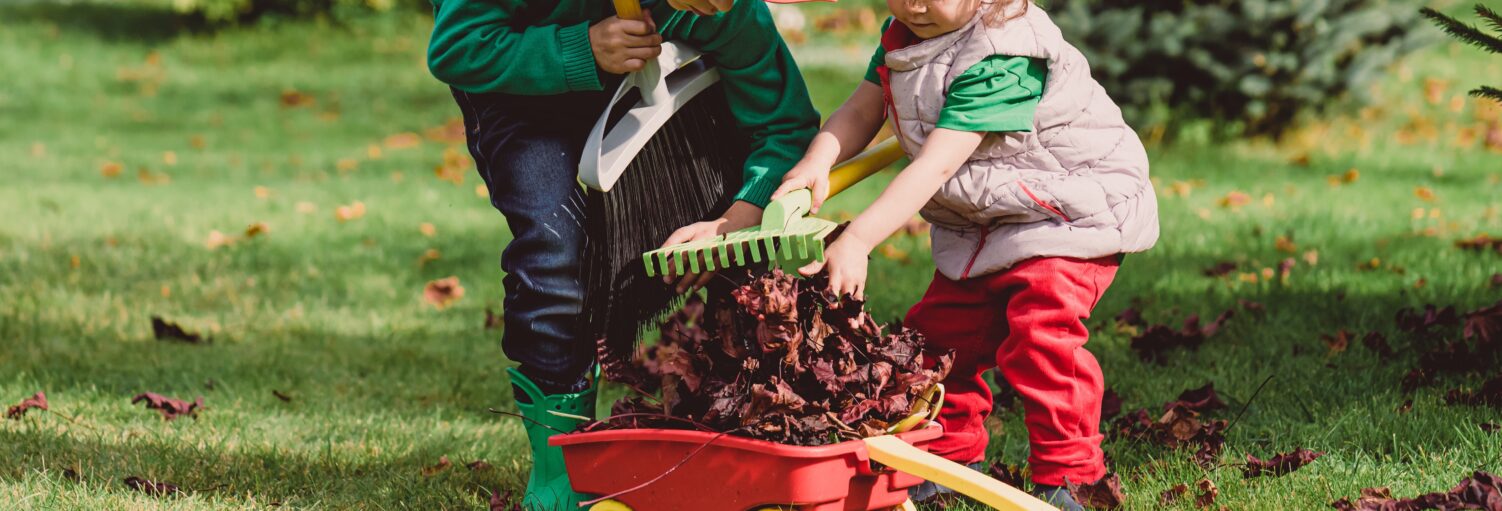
(733, 473)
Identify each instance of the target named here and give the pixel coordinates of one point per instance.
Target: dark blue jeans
(526, 148)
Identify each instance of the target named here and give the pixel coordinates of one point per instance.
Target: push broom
(667, 153)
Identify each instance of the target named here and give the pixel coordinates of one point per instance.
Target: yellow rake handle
(902, 456)
(861, 166)
(628, 9)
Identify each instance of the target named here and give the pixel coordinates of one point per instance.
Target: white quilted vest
(1076, 186)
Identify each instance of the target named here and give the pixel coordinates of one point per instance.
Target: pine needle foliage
(1474, 36)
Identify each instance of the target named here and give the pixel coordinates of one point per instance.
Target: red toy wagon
(717, 472)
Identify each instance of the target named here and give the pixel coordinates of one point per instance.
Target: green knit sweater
(542, 47)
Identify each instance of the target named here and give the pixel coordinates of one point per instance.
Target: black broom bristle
(689, 171)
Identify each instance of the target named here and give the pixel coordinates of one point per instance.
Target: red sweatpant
(1029, 322)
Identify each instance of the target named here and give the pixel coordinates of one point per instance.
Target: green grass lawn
(284, 123)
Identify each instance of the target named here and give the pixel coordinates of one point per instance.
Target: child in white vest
(1035, 187)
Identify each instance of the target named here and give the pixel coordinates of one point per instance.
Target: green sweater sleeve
(999, 93)
(476, 47)
(765, 90)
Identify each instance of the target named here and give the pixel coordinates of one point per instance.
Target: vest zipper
(973, 256)
(1042, 204)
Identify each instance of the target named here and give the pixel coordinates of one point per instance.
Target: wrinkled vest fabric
(1076, 186)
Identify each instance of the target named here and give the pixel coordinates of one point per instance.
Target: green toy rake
(787, 238)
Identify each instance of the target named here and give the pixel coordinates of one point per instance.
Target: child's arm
(477, 47)
(942, 154)
(848, 131)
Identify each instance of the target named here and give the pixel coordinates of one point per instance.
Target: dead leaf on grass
(350, 212)
(1208, 493)
(404, 140)
(1337, 343)
(443, 464)
(165, 330)
(504, 500)
(170, 408)
(1279, 464)
(443, 292)
(1172, 495)
(38, 401)
(149, 487)
(1102, 494)
(1480, 491)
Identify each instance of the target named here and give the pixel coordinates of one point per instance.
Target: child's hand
(846, 261)
(740, 215)
(703, 7)
(622, 46)
(804, 175)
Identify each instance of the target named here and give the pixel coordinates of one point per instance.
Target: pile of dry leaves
(777, 359)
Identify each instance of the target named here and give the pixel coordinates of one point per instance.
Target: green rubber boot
(548, 487)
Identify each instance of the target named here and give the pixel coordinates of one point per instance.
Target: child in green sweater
(531, 78)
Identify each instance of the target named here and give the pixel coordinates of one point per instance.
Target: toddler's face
(933, 18)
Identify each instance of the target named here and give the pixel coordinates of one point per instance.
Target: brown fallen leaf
(443, 464)
(1158, 339)
(1208, 493)
(1337, 343)
(1279, 464)
(170, 408)
(281, 395)
(1490, 394)
(165, 330)
(218, 239)
(404, 140)
(352, 211)
(1480, 491)
(111, 169)
(256, 229)
(1377, 342)
(503, 500)
(149, 487)
(1497, 280)
(1484, 326)
(1102, 494)
(38, 401)
(427, 229)
(443, 292)
(1481, 243)
(1220, 269)
(1424, 193)
(428, 256)
(454, 166)
(1172, 495)
(1234, 200)
(291, 98)
(1202, 399)
(1491, 427)
(477, 465)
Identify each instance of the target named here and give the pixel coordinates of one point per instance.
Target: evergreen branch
(1490, 16)
(1466, 33)
(1491, 93)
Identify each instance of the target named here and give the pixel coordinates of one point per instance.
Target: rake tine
(740, 256)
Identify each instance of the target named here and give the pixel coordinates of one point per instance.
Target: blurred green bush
(234, 11)
(1251, 66)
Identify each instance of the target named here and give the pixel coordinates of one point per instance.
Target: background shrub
(1252, 65)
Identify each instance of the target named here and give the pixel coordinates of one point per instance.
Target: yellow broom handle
(868, 162)
(628, 9)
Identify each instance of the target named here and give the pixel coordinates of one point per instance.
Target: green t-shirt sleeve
(878, 58)
(999, 93)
